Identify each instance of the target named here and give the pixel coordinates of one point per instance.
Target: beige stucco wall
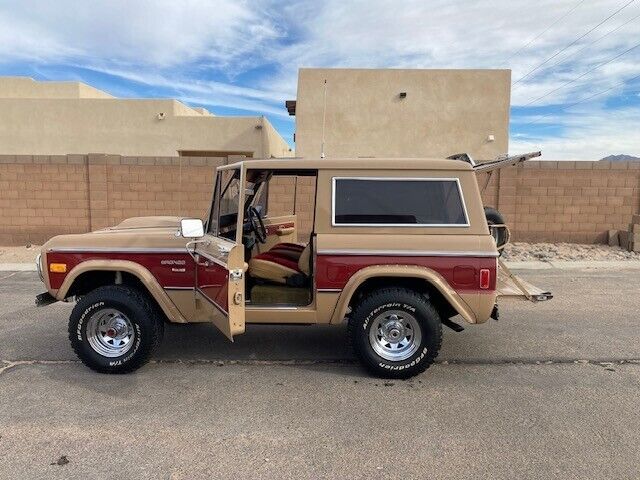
(57, 118)
(25, 87)
(445, 112)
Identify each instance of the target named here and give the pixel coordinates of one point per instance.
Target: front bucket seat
(280, 269)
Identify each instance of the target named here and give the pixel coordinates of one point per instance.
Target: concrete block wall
(283, 191)
(43, 196)
(566, 201)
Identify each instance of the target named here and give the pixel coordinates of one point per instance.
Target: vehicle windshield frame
(213, 221)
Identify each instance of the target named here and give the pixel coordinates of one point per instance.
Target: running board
(511, 285)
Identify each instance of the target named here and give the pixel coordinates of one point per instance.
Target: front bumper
(45, 299)
(39, 267)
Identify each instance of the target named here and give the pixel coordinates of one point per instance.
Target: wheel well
(88, 281)
(419, 285)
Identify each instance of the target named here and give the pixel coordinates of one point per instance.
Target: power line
(582, 75)
(572, 43)
(544, 31)
(583, 100)
(595, 41)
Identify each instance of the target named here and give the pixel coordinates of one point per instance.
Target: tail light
(485, 278)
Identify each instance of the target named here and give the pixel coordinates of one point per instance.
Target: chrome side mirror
(191, 228)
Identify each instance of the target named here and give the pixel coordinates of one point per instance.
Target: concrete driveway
(550, 391)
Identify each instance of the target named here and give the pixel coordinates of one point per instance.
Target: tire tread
(391, 294)
(129, 295)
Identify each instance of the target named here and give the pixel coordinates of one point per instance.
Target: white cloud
(158, 33)
(464, 34)
(588, 133)
(206, 92)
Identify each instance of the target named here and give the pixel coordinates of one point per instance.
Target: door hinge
(236, 275)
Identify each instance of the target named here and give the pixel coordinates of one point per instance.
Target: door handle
(236, 275)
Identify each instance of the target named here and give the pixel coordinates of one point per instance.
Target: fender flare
(427, 274)
(141, 273)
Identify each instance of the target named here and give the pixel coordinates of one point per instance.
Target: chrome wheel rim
(395, 335)
(110, 333)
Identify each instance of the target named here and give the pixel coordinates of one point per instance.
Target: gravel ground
(547, 252)
(22, 254)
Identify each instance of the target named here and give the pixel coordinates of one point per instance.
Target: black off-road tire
(494, 217)
(147, 325)
(395, 299)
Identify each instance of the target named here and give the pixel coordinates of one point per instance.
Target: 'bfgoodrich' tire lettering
(141, 312)
(410, 301)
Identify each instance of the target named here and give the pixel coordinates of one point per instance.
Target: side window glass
(398, 202)
(229, 199)
(212, 226)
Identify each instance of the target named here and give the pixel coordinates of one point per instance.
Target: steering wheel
(257, 224)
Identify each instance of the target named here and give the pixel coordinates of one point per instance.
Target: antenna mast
(324, 117)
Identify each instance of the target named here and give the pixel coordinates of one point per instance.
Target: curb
(17, 267)
(577, 265)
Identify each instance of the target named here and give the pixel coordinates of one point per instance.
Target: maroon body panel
(177, 270)
(462, 273)
(213, 283)
(170, 269)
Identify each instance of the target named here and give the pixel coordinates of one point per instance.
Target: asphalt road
(549, 391)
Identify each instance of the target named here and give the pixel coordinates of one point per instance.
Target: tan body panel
(419, 245)
(147, 279)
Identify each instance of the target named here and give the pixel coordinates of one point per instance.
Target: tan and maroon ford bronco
(397, 248)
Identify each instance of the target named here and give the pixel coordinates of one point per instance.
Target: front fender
(401, 271)
(141, 273)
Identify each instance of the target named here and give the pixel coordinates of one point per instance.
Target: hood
(147, 222)
(136, 232)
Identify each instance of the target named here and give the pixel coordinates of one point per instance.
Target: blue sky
(241, 58)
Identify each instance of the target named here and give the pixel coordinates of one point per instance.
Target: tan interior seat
(277, 269)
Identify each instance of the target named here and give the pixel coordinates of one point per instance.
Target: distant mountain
(620, 158)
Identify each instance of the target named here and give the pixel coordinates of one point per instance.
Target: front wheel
(395, 332)
(115, 329)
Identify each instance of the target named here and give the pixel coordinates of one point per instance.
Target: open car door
(220, 273)
(219, 256)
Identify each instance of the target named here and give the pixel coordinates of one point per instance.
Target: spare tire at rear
(494, 217)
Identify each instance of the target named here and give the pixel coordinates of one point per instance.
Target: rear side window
(411, 202)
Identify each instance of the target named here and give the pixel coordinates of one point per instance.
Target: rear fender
(401, 271)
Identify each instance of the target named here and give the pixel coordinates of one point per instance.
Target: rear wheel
(115, 329)
(395, 332)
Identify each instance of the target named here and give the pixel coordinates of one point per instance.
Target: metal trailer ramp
(511, 285)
